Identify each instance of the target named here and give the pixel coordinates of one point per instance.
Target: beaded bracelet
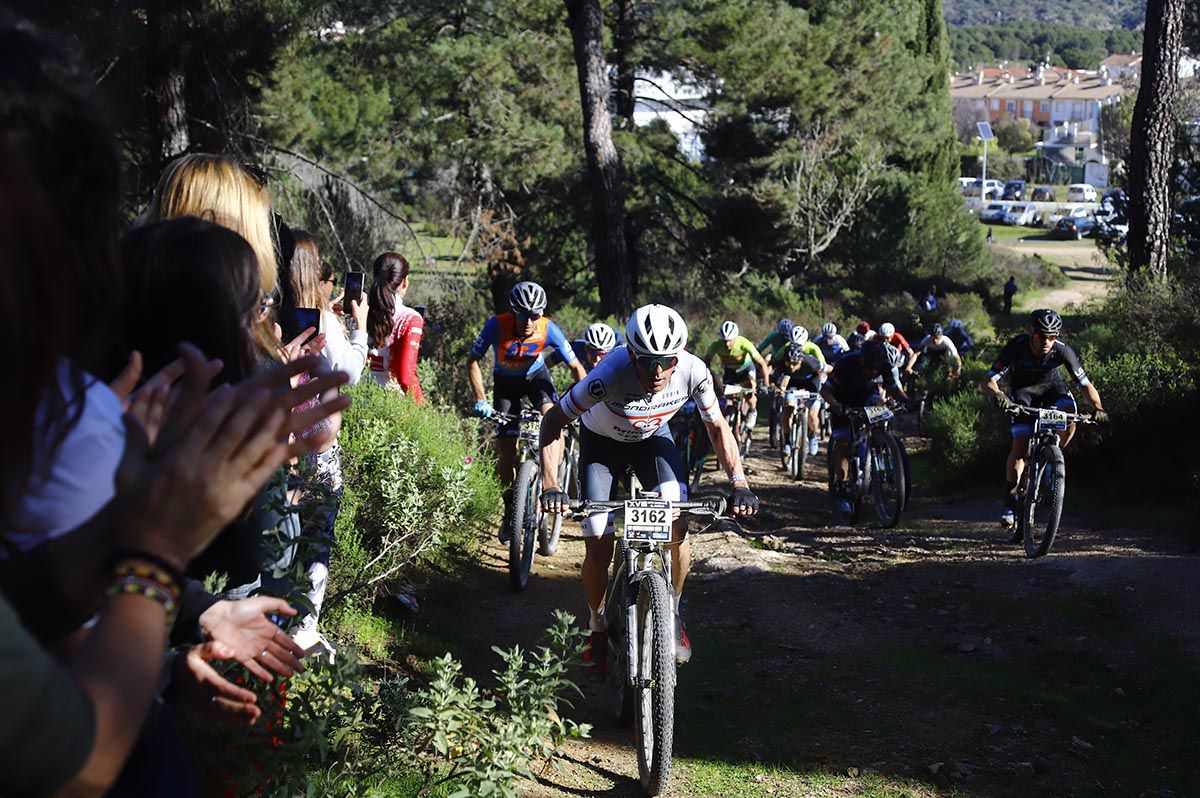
(138, 578)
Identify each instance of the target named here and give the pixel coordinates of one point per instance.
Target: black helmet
(795, 352)
(1046, 322)
(937, 329)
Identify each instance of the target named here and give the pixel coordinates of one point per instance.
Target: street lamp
(1040, 164)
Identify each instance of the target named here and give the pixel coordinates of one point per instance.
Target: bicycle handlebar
(1025, 410)
(714, 507)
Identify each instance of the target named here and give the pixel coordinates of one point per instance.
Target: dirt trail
(934, 655)
(1083, 264)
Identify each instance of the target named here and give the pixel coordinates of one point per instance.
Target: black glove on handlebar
(744, 502)
(556, 500)
(1004, 403)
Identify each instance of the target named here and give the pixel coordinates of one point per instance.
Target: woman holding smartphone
(395, 330)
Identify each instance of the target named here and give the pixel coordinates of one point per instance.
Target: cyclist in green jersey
(777, 341)
(739, 357)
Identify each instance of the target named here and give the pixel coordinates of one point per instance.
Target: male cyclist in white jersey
(624, 405)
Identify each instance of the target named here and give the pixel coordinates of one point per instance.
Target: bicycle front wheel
(525, 521)
(888, 477)
(550, 526)
(654, 711)
(1042, 508)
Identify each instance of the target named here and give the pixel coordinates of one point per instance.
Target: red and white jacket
(395, 361)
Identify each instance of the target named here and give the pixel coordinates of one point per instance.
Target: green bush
(417, 485)
(970, 436)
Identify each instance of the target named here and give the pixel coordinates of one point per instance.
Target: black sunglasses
(652, 362)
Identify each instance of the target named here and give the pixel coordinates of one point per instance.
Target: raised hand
(252, 637)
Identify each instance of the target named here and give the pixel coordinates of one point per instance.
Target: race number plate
(794, 398)
(647, 520)
(877, 413)
(1052, 420)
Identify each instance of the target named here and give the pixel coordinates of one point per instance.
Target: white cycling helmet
(600, 337)
(655, 330)
(887, 329)
(528, 298)
(729, 330)
(799, 335)
(829, 329)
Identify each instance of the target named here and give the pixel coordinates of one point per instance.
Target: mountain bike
(691, 439)
(640, 610)
(550, 527)
(1044, 481)
(775, 419)
(527, 522)
(735, 413)
(793, 462)
(878, 467)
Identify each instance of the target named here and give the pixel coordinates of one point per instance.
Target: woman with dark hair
(395, 330)
(303, 286)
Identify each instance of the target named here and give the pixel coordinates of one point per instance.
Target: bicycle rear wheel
(525, 521)
(888, 477)
(654, 711)
(1042, 508)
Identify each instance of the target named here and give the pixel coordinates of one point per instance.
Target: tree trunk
(165, 83)
(1152, 138)
(604, 163)
(624, 31)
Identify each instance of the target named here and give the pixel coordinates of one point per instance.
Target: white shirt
(342, 352)
(612, 402)
(943, 347)
(81, 477)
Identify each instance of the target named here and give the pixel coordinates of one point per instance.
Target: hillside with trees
(1027, 41)
(1121, 14)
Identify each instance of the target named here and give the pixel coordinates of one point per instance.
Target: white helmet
(655, 330)
(729, 330)
(529, 298)
(887, 329)
(799, 335)
(829, 329)
(600, 337)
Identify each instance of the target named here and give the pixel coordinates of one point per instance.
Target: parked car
(991, 189)
(1014, 190)
(1043, 194)
(1081, 192)
(1020, 214)
(1064, 212)
(1112, 231)
(1075, 227)
(993, 213)
(965, 183)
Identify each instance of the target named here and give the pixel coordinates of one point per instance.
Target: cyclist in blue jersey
(598, 340)
(831, 344)
(519, 373)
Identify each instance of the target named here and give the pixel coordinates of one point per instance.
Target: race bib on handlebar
(1052, 420)
(647, 520)
(877, 413)
(794, 398)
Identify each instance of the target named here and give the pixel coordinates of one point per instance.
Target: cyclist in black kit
(1031, 362)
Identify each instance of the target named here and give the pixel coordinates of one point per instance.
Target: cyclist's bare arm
(553, 423)
(991, 385)
(577, 370)
(475, 377)
(912, 359)
(726, 448)
(1093, 395)
(764, 368)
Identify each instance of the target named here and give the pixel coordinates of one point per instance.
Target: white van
(1081, 192)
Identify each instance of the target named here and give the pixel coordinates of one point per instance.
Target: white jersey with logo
(612, 402)
(942, 347)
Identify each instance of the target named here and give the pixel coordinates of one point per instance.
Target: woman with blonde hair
(218, 189)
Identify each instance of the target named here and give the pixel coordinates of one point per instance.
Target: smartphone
(354, 290)
(419, 309)
(305, 318)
